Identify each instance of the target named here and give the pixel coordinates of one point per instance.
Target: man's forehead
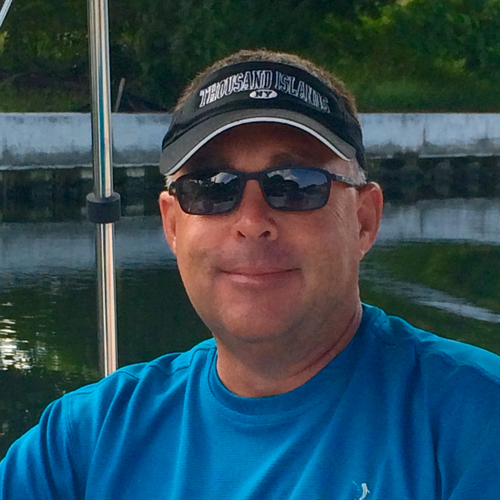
(213, 161)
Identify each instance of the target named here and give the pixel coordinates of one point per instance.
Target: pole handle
(103, 210)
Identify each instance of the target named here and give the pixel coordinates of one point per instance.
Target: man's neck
(267, 369)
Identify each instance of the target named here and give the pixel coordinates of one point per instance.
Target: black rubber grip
(103, 210)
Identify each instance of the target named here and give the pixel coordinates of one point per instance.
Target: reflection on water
(46, 321)
(476, 220)
(425, 296)
(12, 355)
(50, 320)
(28, 248)
(48, 340)
(47, 280)
(54, 247)
(459, 220)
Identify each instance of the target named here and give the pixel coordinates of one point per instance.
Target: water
(48, 341)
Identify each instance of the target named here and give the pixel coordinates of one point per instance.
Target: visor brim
(176, 154)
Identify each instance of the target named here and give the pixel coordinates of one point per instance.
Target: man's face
(258, 274)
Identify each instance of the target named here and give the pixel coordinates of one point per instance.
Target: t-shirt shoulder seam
(186, 363)
(471, 365)
(376, 327)
(153, 365)
(445, 357)
(90, 388)
(69, 429)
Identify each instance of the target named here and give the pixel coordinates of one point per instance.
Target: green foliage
(159, 45)
(45, 34)
(454, 36)
(396, 55)
(3, 37)
(421, 55)
(179, 40)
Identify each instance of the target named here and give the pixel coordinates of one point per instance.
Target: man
(304, 393)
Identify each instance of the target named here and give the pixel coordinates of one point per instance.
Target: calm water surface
(48, 341)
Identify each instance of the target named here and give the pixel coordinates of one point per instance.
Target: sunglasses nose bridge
(253, 176)
(248, 176)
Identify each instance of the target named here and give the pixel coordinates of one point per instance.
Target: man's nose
(254, 218)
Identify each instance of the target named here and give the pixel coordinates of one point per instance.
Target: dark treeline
(395, 55)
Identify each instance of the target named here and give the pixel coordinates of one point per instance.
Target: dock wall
(46, 158)
(63, 140)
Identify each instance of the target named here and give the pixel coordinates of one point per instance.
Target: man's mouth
(258, 275)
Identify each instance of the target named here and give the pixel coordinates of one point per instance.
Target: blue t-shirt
(399, 414)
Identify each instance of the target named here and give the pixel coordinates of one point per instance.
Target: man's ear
(169, 220)
(370, 204)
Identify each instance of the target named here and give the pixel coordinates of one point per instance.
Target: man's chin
(253, 332)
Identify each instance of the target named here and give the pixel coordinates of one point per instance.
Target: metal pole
(106, 298)
(3, 12)
(103, 203)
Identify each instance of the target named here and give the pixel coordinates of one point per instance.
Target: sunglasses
(289, 189)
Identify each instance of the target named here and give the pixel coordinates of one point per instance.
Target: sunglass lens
(296, 189)
(207, 194)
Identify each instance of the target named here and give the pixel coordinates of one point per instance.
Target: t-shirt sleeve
(468, 437)
(481, 477)
(41, 465)
(53, 459)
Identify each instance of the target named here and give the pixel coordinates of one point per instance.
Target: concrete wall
(52, 140)
(431, 134)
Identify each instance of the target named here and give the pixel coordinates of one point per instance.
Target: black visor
(261, 91)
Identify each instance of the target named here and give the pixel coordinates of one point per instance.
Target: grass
(15, 99)
(408, 95)
(380, 87)
(376, 90)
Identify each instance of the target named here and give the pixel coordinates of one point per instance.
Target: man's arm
(40, 465)
(481, 477)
